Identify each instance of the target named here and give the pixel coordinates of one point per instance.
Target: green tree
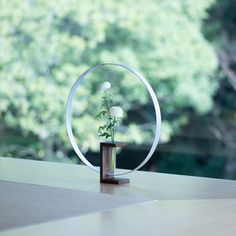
(45, 45)
(220, 29)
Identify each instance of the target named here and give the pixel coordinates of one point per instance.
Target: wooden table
(162, 204)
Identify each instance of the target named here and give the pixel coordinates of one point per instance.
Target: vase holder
(108, 163)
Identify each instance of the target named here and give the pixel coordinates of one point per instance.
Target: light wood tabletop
(163, 204)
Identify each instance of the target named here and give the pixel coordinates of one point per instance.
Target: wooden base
(114, 180)
(108, 163)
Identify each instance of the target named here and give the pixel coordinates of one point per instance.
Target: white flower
(105, 86)
(116, 112)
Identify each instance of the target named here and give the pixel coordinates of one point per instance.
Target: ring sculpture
(69, 111)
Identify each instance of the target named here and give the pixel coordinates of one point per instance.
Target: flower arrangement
(111, 114)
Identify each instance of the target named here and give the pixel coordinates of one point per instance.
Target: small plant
(111, 114)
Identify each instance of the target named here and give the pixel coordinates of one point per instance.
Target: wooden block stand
(108, 163)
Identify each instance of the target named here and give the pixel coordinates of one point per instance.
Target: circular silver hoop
(68, 116)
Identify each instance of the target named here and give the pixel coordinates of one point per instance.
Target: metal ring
(68, 116)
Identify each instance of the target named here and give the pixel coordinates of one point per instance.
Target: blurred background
(185, 49)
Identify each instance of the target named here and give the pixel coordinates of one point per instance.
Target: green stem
(107, 101)
(112, 135)
(110, 118)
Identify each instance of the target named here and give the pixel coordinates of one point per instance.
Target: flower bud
(105, 86)
(116, 112)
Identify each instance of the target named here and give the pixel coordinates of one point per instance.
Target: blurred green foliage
(45, 45)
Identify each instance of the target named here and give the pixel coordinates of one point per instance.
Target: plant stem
(108, 105)
(112, 135)
(110, 118)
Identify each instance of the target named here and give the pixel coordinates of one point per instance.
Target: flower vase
(108, 163)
